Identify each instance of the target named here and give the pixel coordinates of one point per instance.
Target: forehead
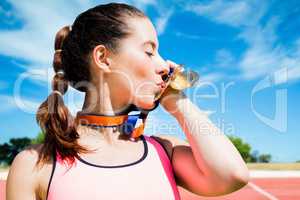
(142, 30)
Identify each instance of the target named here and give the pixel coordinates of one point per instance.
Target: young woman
(111, 53)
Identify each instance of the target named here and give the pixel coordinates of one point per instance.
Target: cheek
(142, 74)
(142, 67)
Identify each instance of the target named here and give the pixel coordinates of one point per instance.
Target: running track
(270, 188)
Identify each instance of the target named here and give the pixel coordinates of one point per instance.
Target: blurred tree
(243, 147)
(245, 151)
(8, 151)
(5, 150)
(39, 138)
(265, 158)
(254, 156)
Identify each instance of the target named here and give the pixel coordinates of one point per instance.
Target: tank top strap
(54, 160)
(59, 167)
(167, 165)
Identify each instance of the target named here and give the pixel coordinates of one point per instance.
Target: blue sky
(246, 52)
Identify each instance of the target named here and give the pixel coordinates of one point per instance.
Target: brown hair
(103, 24)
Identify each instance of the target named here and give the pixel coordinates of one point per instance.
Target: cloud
(294, 73)
(212, 77)
(265, 53)
(34, 41)
(37, 74)
(142, 4)
(33, 46)
(233, 13)
(6, 103)
(72, 99)
(224, 58)
(194, 37)
(9, 103)
(162, 21)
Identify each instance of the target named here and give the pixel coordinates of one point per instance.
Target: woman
(111, 54)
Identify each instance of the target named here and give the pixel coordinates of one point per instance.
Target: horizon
(246, 52)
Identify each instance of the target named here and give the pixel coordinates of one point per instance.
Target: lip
(160, 88)
(161, 85)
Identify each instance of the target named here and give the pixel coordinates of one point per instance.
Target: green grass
(3, 169)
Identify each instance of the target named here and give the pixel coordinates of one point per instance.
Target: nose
(163, 68)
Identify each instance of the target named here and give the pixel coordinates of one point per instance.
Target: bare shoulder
(24, 163)
(27, 158)
(170, 142)
(173, 140)
(23, 173)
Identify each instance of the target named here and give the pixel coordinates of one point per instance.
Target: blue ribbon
(129, 125)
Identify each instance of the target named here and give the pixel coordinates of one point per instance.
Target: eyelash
(149, 54)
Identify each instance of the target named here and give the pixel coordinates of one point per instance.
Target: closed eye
(149, 54)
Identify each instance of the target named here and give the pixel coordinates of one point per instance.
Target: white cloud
(212, 77)
(72, 99)
(194, 37)
(9, 103)
(162, 21)
(265, 53)
(40, 75)
(164, 13)
(224, 58)
(34, 41)
(294, 73)
(233, 13)
(142, 4)
(6, 103)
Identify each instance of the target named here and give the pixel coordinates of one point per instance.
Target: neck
(101, 104)
(98, 137)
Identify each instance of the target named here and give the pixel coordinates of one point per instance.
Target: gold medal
(180, 79)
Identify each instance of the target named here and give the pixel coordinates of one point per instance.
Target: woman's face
(137, 68)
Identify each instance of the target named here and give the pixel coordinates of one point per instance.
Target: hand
(170, 96)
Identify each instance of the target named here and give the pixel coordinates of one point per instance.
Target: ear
(101, 59)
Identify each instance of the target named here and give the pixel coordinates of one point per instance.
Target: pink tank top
(150, 177)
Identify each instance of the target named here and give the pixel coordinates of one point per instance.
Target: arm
(22, 179)
(209, 165)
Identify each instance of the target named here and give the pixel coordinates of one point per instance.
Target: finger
(172, 64)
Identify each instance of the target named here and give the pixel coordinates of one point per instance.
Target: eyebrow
(150, 42)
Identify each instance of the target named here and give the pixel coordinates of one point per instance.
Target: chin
(146, 103)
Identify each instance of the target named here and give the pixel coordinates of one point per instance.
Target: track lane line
(261, 191)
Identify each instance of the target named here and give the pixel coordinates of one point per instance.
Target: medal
(179, 79)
